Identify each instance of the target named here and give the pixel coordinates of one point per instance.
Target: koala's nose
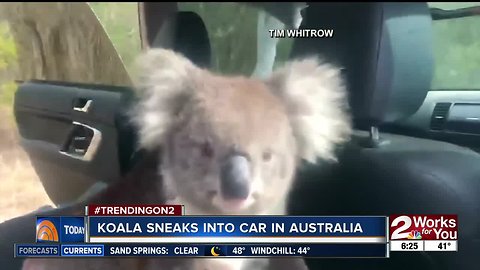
(235, 177)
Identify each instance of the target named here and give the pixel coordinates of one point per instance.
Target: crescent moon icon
(213, 252)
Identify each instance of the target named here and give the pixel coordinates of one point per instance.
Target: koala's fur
(198, 118)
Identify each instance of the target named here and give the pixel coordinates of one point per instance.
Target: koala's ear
(163, 81)
(316, 99)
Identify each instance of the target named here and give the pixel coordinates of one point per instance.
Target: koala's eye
(267, 156)
(206, 150)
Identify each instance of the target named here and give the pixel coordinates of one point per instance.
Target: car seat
(385, 50)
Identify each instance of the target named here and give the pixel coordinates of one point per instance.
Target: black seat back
(385, 49)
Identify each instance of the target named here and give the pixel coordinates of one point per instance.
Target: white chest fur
(229, 263)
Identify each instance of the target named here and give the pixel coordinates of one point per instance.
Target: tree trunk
(63, 42)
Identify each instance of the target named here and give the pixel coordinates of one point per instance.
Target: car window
(120, 21)
(66, 42)
(456, 47)
(240, 38)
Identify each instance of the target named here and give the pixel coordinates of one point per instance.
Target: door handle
(83, 105)
(88, 149)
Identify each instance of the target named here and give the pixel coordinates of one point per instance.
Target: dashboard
(452, 116)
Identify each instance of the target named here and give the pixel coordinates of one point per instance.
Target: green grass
(8, 57)
(456, 45)
(7, 93)
(8, 52)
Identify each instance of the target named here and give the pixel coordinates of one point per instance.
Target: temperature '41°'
(444, 245)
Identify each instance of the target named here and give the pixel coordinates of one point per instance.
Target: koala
(229, 145)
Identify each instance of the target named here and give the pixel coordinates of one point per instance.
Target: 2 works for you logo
(423, 227)
(301, 33)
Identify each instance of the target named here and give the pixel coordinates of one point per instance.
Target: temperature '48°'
(238, 250)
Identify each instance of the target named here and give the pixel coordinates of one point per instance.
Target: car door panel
(72, 134)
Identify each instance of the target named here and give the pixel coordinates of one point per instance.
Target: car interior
(414, 150)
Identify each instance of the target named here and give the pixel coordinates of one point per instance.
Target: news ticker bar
(166, 225)
(204, 250)
(424, 245)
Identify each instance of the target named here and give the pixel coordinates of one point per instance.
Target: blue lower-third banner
(238, 229)
(203, 250)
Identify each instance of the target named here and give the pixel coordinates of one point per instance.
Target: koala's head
(230, 145)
